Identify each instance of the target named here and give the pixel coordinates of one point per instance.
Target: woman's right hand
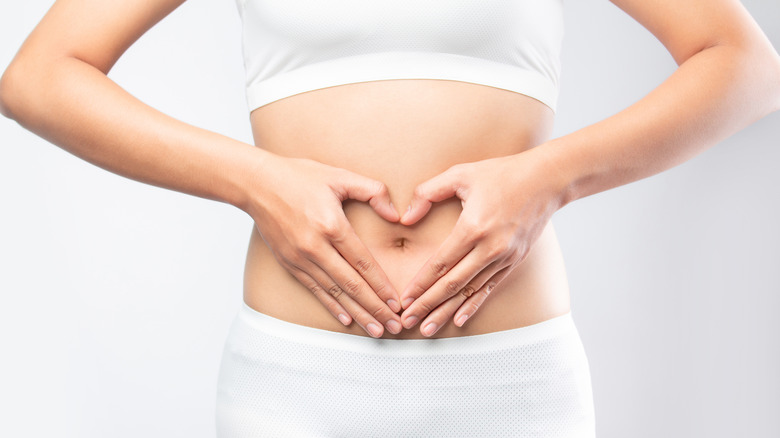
(297, 208)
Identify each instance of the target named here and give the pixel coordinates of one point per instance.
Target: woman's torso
(403, 132)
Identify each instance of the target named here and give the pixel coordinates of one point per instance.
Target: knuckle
(489, 287)
(472, 307)
(316, 289)
(306, 247)
(439, 267)
(364, 266)
(472, 230)
(467, 291)
(458, 170)
(352, 287)
(452, 287)
(380, 289)
(416, 291)
(381, 188)
(289, 261)
(331, 229)
(419, 191)
(296, 259)
(335, 291)
(307, 251)
(377, 313)
(498, 250)
(425, 307)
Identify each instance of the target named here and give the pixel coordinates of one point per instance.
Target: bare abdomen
(403, 132)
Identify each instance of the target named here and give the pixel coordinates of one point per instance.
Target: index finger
(349, 245)
(451, 251)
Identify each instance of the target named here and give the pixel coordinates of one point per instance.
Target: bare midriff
(403, 132)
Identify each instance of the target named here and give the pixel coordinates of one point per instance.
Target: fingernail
(462, 319)
(344, 319)
(408, 302)
(374, 330)
(393, 304)
(408, 209)
(430, 329)
(410, 321)
(394, 326)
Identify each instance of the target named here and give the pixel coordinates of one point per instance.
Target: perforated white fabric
(279, 379)
(294, 46)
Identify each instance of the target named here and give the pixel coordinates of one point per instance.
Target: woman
(476, 241)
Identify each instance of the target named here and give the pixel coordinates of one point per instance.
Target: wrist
(252, 178)
(554, 170)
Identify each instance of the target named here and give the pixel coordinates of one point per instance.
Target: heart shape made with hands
(425, 277)
(506, 203)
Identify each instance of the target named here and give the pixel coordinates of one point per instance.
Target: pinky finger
(472, 304)
(330, 303)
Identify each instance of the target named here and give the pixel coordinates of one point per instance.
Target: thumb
(365, 189)
(442, 186)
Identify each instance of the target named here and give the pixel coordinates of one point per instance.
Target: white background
(116, 296)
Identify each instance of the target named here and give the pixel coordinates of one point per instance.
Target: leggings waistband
(530, 334)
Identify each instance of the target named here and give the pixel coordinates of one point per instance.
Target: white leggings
(280, 379)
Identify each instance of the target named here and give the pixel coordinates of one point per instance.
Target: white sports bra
(294, 46)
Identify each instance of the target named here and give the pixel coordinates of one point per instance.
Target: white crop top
(294, 46)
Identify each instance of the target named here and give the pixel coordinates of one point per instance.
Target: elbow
(775, 79)
(757, 63)
(765, 62)
(12, 84)
(6, 93)
(761, 65)
(20, 85)
(771, 82)
(762, 72)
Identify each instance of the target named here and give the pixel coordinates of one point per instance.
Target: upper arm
(97, 32)
(685, 27)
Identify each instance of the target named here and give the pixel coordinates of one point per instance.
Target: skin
(480, 191)
(402, 142)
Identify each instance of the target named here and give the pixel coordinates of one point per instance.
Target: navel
(400, 242)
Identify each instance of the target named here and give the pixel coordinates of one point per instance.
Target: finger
(361, 188)
(355, 252)
(336, 292)
(439, 316)
(447, 287)
(330, 303)
(472, 304)
(452, 250)
(348, 281)
(442, 186)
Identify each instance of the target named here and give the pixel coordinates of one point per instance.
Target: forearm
(712, 95)
(78, 108)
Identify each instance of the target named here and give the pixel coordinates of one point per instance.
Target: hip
(282, 379)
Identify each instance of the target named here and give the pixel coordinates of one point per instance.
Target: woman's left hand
(507, 202)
